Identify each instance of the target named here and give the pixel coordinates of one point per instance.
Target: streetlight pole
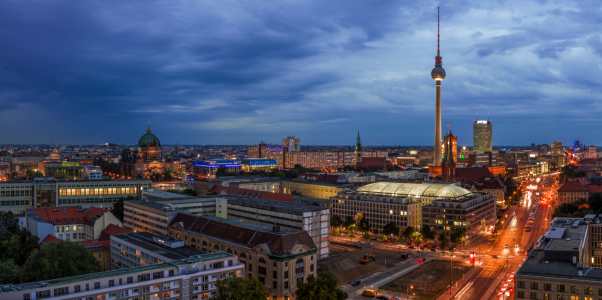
(450, 272)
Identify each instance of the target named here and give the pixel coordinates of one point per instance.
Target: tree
(375, 231)
(118, 208)
(351, 233)
(9, 224)
(167, 175)
(12, 175)
(323, 287)
(112, 168)
(100, 162)
(443, 242)
(383, 238)
(391, 228)
(366, 236)
(238, 288)
(31, 243)
(221, 171)
(296, 193)
(363, 225)
(292, 173)
(336, 221)
(458, 236)
(408, 232)
(58, 260)
(427, 233)
(336, 231)
(279, 174)
(9, 272)
(11, 249)
(33, 174)
(349, 222)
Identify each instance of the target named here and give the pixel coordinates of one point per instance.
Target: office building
(399, 175)
(208, 167)
(475, 213)
(407, 160)
(482, 136)
(293, 144)
(275, 152)
(137, 249)
(18, 196)
(557, 149)
(280, 258)
(65, 170)
(152, 216)
(93, 173)
(379, 206)
(70, 223)
(258, 164)
(191, 278)
(564, 263)
(492, 185)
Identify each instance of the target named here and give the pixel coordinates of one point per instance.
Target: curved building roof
(149, 140)
(416, 190)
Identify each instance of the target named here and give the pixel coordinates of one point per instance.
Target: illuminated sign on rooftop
(482, 122)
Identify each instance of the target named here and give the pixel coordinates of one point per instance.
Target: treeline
(580, 208)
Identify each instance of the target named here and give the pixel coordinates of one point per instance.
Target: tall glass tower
(481, 136)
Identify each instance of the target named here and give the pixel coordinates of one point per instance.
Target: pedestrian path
(460, 285)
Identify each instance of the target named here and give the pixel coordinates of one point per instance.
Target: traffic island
(428, 281)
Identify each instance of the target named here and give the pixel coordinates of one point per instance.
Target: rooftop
(113, 273)
(572, 186)
(144, 240)
(415, 190)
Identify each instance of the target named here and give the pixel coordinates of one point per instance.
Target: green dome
(168, 153)
(138, 148)
(149, 140)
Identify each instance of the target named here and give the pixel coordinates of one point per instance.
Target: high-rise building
(292, 143)
(557, 148)
(438, 74)
(481, 136)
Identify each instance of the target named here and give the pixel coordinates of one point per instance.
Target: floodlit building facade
(482, 136)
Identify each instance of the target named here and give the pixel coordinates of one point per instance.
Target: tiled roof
(373, 162)
(472, 174)
(572, 186)
(252, 193)
(279, 243)
(96, 246)
(105, 234)
(489, 184)
(594, 188)
(50, 239)
(68, 214)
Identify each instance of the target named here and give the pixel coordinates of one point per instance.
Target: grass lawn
(428, 280)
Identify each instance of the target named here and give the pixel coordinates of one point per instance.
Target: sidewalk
(458, 285)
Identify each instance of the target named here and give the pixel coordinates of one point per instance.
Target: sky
(242, 72)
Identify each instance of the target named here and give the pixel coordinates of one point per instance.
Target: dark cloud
(237, 72)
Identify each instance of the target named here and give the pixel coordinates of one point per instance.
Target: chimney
(276, 229)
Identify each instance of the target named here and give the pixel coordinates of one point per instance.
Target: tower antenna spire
(437, 29)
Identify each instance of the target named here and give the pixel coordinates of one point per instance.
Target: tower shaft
(437, 160)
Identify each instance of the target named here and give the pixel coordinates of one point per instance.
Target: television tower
(438, 74)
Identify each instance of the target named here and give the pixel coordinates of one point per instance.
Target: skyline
(238, 73)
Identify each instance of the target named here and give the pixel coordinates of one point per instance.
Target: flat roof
(144, 241)
(297, 207)
(238, 223)
(113, 273)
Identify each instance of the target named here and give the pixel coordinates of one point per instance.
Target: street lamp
(450, 272)
(408, 291)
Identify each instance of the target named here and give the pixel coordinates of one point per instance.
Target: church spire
(358, 144)
(148, 130)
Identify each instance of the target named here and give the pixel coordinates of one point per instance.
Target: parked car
(411, 247)
(495, 256)
(355, 283)
(382, 297)
(420, 259)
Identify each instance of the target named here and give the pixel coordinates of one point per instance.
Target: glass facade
(482, 137)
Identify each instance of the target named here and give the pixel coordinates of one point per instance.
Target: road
(492, 271)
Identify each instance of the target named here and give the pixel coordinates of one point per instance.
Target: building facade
(572, 191)
(279, 258)
(293, 144)
(557, 149)
(146, 159)
(187, 279)
(310, 189)
(482, 136)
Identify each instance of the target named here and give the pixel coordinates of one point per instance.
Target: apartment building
(191, 278)
(279, 258)
(475, 213)
(18, 196)
(70, 223)
(492, 185)
(142, 249)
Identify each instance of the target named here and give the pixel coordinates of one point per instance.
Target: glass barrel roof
(415, 190)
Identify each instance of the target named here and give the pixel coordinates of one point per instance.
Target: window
(574, 289)
(299, 270)
(26, 297)
(87, 287)
(261, 270)
(546, 297)
(547, 287)
(560, 288)
(130, 280)
(275, 285)
(171, 272)
(274, 274)
(534, 286)
(520, 294)
(286, 285)
(285, 274)
(120, 281)
(588, 290)
(43, 294)
(77, 289)
(521, 284)
(143, 277)
(533, 295)
(97, 285)
(250, 267)
(157, 275)
(111, 282)
(560, 297)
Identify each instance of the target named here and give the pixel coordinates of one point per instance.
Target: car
(434, 249)
(495, 256)
(369, 293)
(516, 246)
(382, 297)
(421, 248)
(357, 282)
(420, 259)
(395, 298)
(528, 230)
(506, 246)
(411, 247)
(374, 239)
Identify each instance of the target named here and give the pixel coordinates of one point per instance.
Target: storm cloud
(238, 72)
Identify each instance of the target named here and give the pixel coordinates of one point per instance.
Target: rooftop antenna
(437, 30)
(477, 117)
(487, 117)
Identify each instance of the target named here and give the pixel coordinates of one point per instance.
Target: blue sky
(238, 72)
